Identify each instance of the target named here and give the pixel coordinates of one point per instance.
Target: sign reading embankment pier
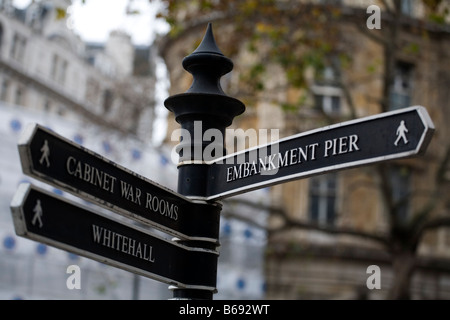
(53, 159)
(390, 135)
(48, 218)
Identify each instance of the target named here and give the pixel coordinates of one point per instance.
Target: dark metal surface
(206, 104)
(348, 144)
(48, 218)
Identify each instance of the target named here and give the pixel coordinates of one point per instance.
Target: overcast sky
(94, 19)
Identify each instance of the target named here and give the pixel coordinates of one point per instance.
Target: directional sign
(53, 159)
(391, 135)
(51, 219)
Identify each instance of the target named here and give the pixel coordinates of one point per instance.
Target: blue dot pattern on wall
(136, 154)
(78, 139)
(226, 229)
(240, 284)
(106, 146)
(164, 160)
(73, 256)
(9, 242)
(41, 249)
(15, 125)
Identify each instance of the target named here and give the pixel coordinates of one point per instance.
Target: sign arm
(387, 136)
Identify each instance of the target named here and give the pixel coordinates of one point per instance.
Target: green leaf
(289, 107)
(60, 13)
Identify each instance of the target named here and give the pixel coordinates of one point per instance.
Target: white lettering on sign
(121, 243)
(273, 162)
(107, 182)
(341, 145)
(162, 206)
(291, 157)
(90, 174)
(130, 193)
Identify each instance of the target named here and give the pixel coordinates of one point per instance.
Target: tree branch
(421, 224)
(292, 223)
(289, 223)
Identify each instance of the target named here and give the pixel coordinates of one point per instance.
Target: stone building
(45, 66)
(351, 220)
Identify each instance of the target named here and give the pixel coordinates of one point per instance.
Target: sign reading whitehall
(390, 135)
(41, 216)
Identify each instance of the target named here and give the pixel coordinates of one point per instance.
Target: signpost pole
(202, 111)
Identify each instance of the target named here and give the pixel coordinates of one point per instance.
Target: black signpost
(48, 218)
(189, 262)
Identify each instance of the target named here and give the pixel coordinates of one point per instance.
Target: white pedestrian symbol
(45, 154)
(37, 214)
(401, 133)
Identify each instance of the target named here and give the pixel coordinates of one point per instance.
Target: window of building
(400, 178)
(107, 100)
(4, 90)
(18, 47)
(407, 7)
(92, 91)
(401, 91)
(327, 93)
(19, 97)
(62, 72)
(59, 69)
(322, 199)
(329, 103)
(54, 66)
(47, 104)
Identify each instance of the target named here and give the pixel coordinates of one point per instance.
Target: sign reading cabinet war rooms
(390, 135)
(53, 159)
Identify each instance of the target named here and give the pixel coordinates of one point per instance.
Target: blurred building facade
(317, 259)
(46, 66)
(96, 94)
